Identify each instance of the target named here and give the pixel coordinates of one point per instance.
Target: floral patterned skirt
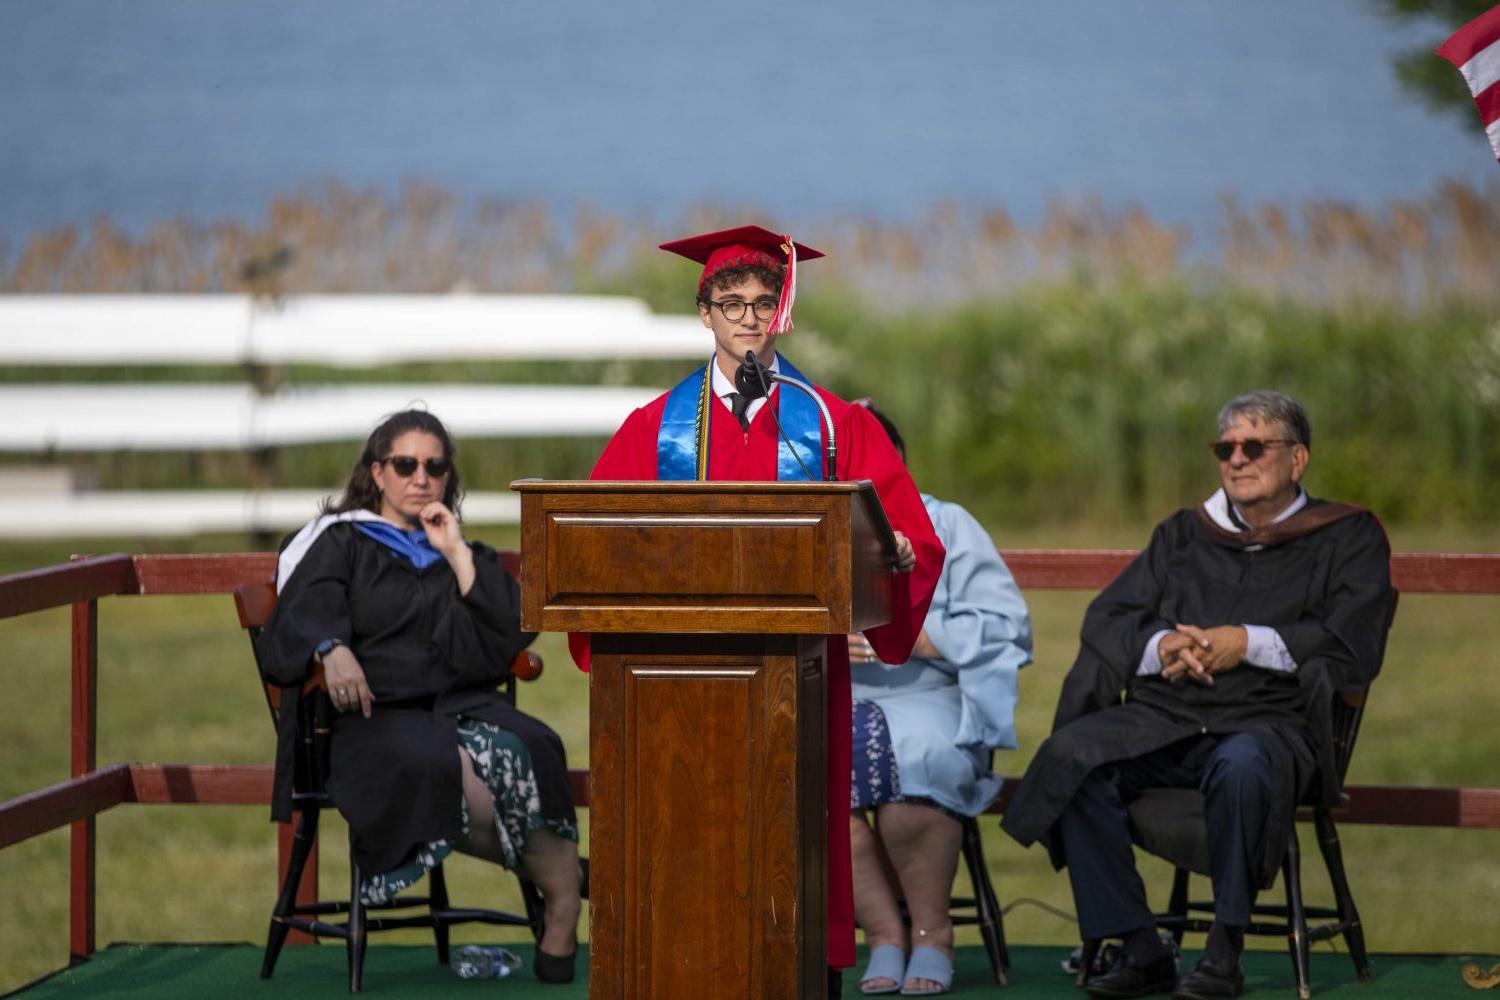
(504, 764)
(876, 778)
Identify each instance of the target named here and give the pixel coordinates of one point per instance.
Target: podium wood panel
(782, 558)
(708, 824)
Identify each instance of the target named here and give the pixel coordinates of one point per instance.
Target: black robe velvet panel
(1322, 582)
(429, 656)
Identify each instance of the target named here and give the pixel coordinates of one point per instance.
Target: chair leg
(1333, 857)
(1296, 919)
(987, 907)
(1177, 906)
(1086, 958)
(302, 845)
(356, 941)
(438, 901)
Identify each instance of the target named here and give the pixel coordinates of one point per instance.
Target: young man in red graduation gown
(704, 430)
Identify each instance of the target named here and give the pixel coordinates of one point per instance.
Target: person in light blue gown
(924, 731)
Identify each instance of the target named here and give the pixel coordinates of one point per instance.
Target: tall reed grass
(1414, 253)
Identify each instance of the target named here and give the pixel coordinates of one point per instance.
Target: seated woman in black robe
(414, 628)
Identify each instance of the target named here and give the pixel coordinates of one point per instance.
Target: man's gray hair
(1265, 405)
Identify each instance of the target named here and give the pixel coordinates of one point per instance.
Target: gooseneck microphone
(753, 380)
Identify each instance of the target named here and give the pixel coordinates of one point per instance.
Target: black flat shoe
(1208, 981)
(1128, 980)
(554, 968)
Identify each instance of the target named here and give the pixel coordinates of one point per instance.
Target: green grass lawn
(177, 684)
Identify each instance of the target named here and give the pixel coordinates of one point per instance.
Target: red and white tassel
(781, 322)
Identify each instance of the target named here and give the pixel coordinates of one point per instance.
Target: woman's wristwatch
(324, 648)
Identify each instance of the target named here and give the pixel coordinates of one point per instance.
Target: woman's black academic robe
(429, 656)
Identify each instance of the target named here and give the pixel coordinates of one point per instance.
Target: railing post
(85, 740)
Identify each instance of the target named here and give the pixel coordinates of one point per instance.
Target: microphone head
(747, 378)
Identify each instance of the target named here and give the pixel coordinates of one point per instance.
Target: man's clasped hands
(1192, 653)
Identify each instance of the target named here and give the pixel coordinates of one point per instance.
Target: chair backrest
(1349, 710)
(255, 602)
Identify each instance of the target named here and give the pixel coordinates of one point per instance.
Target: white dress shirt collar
(1217, 508)
(722, 387)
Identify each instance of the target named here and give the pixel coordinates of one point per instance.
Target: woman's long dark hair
(361, 493)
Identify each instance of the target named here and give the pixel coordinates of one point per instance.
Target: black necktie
(739, 403)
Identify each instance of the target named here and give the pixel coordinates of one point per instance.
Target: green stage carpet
(226, 972)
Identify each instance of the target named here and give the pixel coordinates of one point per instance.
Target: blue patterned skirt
(876, 778)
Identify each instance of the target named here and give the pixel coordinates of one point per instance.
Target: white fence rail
(184, 417)
(349, 331)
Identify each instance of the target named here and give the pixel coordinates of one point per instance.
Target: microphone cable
(752, 364)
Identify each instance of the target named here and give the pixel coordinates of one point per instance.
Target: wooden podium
(709, 605)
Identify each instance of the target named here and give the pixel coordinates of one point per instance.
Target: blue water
(154, 109)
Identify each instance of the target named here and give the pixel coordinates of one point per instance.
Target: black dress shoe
(1127, 979)
(1209, 981)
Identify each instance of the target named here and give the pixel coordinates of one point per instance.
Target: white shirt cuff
(1264, 648)
(1150, 664)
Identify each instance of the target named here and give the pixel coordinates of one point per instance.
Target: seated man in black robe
(1210, 662)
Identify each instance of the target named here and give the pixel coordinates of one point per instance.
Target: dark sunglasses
(1253, 447)
(406, 465)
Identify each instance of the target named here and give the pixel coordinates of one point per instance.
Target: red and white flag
(1475, 50)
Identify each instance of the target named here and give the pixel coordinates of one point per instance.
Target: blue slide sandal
(886, 962)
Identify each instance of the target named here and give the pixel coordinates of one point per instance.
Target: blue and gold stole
(682, 442)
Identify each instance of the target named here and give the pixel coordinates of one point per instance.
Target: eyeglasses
(405, 466)
(734, 309)
(1252, 447)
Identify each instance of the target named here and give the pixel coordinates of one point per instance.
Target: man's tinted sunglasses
(1253, 447)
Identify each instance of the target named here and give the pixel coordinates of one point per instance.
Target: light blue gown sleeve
(979, 623)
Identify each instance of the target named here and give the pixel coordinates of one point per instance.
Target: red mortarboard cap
(748, 245)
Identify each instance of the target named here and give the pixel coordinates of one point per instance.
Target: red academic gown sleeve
(864, 452)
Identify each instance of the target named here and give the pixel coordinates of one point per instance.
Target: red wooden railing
(93, 789)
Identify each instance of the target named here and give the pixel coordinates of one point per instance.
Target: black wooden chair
(1169, 823)
(986, 908)
(315, 713)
